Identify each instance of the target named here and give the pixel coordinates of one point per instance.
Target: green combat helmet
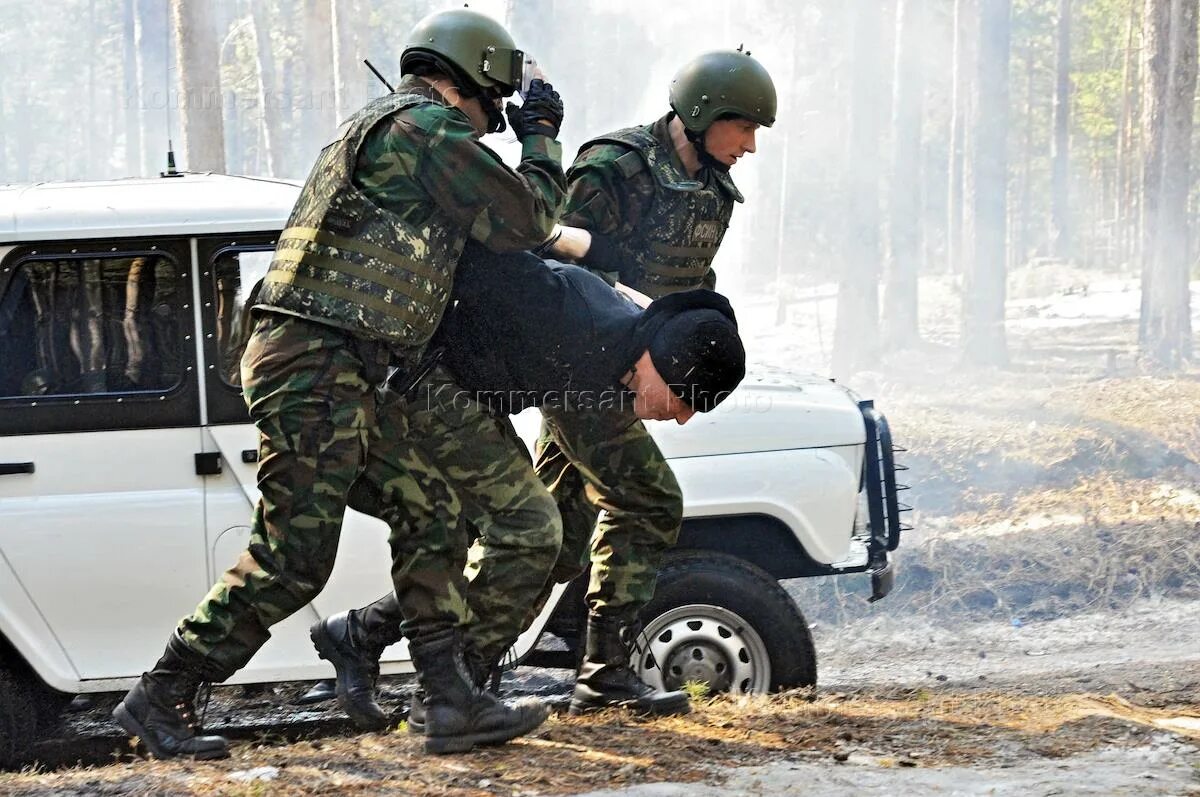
(465, 44)
(722, 83)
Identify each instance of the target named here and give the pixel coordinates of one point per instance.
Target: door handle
(13, 468)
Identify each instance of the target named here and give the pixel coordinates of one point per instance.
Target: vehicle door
(101, 502)
(230, 269)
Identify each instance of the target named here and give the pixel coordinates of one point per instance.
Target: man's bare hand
(637, 297)
(573, 242)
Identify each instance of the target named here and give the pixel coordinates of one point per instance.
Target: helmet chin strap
(495, 117)
(706, 158)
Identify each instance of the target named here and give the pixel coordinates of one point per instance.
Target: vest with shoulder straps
(347, 262)
(673, 245)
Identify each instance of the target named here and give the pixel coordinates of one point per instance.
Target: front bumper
(883, 505)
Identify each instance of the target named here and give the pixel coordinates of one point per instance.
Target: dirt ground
(1042, 639)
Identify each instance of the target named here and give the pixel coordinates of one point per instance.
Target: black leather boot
(459, 714)
(340, 640)
(606, 679)
(160, 709)
(484, 674)
(322, 690)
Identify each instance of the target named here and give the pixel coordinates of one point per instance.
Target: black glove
(540, 115)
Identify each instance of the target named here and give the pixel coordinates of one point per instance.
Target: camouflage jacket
(431, 156)
(615, 198)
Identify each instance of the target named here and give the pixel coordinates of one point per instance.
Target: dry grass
(569, 755)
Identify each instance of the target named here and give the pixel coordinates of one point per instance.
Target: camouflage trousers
(605, 466)
(311, 390)
(503, 501)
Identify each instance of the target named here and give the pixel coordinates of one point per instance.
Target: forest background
(965, 139)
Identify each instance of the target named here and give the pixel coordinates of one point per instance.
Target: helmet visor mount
(511, 68)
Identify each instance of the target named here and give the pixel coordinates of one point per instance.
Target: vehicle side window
(91, 325)
(237, 275)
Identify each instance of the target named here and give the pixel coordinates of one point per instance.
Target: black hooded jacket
(524, 332)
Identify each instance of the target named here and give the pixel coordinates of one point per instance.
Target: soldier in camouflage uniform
(359, 282)
(646, 206)
(586, 348)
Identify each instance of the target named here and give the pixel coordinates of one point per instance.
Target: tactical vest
(345, 261)
(672, 247)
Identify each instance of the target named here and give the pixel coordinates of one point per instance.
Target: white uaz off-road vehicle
(127, 466)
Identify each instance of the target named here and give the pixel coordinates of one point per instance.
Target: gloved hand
(540, 115)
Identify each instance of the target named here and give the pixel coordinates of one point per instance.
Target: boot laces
(187, 709)
(634, 640)
(207, 696)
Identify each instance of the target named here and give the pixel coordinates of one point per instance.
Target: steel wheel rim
(704, 642)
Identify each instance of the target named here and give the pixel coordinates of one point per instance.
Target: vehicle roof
(193, 204)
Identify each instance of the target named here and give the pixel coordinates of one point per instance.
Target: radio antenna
(375, 71)
(171, 171)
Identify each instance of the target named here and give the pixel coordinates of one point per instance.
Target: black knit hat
(699, 355)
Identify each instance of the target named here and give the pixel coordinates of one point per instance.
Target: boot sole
(663, 709)
(441, 745)
(134, 728)
(327, 650)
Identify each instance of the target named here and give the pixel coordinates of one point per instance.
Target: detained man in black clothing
(523, 333)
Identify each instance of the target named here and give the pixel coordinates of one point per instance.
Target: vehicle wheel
(723, 621)
(18, 718)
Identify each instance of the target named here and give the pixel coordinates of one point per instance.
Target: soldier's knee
(663, 499)
(301, 573)
(571, 562)
(550, 525)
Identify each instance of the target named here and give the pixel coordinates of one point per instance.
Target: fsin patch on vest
(707, 232)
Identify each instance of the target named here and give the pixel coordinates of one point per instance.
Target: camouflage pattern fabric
(452, 439)
(312, 397)
(607, 463)
(373, 239)
(630, 186)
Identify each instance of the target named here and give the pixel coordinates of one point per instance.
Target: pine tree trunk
(1026, 217)
(319, 118)
(963, 58)
(1155, 57)
(268, 99)
(129, 107)
(983, 334)
(152, 31)
(781, 255)
(1060, 232)
(1166, 322)
(347, 55)
(1125, 172)
(856, 333)
(91, 110)
(904, 210)
(201, 102)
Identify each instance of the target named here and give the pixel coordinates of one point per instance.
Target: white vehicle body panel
(106, 539)
(195, 204)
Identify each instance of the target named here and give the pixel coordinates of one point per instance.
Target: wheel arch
(762, 540)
